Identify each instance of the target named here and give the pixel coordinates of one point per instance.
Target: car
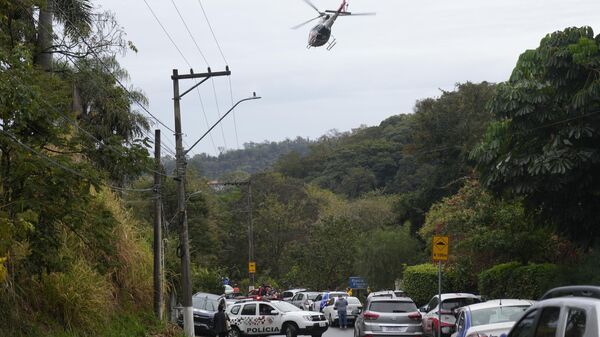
(384, 316)
(322, 299)
(387, 293)
(491, 318)
(264, 317)
(289, 294)
(205, 306)
(304, 299)
(449, 303)
(330, 310)
(572, 311)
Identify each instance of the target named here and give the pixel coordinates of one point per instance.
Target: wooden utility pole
(186, 280)
(158, 298)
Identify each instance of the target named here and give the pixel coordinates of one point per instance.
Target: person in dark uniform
(220, 321)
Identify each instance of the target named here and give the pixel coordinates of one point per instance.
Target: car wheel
(235, 332)
(291, 330)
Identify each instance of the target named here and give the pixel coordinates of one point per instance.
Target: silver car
(562, 312)
(389, 317)
(304, 299)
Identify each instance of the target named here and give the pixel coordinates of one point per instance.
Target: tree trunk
(43, 55)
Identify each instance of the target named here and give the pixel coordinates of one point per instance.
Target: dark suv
(205, 306)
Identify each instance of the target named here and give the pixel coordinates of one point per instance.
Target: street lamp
(220, 119)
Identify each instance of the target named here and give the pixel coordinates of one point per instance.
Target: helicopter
(321, 33)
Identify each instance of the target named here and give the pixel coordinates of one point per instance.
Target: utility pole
(158, 298)
(186, 282)
(250, 237)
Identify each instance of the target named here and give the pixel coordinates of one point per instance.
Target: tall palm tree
(74, 15)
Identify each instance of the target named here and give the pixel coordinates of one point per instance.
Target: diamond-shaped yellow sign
(440, 248)
(252, 267)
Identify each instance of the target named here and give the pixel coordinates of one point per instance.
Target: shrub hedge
(421, 282)
(515, 280)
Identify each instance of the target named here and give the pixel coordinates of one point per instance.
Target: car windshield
(285, 306)
(497, 315)
(312, 296)
(393, 306)
(454, 303)
(205, 303)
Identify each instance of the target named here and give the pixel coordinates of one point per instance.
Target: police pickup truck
(263, 317)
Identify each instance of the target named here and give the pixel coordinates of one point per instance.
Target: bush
(514, 280)
(79, 298)
(421, 282)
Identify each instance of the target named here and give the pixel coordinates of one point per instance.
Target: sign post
(439, 252)
(252, 267)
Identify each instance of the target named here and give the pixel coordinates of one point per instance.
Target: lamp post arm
(220, 119)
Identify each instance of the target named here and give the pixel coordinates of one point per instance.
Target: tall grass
(104, 288)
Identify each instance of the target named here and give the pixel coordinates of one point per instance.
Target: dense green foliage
(515, 280)
(73, 259)
(421, 282)
(544, 146)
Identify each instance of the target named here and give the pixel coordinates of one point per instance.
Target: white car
(491, 318)
(321, 300)
(289, 294)
(387, 294)
(250, 317)
(354, 307)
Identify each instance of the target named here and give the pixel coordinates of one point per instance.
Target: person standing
(342, 307)
(220, 322)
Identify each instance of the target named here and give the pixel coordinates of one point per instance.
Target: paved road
(337, 332)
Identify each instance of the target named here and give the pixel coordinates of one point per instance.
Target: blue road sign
(357, 283)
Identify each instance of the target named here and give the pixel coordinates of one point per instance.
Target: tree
(443, 132)
(544, 146)
(383, 253)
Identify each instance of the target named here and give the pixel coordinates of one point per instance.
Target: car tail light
(415, 316)
(370, 316)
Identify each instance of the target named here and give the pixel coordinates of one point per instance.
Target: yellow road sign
(252, 267)
(440, 248)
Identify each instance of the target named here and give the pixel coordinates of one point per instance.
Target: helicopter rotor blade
(351, 13)
(313, 6)
(306, 22)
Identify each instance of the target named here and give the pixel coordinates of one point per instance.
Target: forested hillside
(236, 164)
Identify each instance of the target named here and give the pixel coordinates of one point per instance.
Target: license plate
(394, 329)
(322, 324)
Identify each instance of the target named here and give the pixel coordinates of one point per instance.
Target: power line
(218, 111)
(207, 63)
(237, 140)
(212, 32)
(230, 86)
(68, 120)
(168, 35)
(189, 32)
(15, 140)
(130, 95)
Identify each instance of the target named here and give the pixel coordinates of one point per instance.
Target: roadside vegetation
(509, 171)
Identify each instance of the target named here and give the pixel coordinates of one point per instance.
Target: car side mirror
(274, 312)
(423, 309)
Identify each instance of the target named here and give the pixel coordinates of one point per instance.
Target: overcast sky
(380, 66)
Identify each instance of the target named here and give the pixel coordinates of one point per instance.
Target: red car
(449, 303)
